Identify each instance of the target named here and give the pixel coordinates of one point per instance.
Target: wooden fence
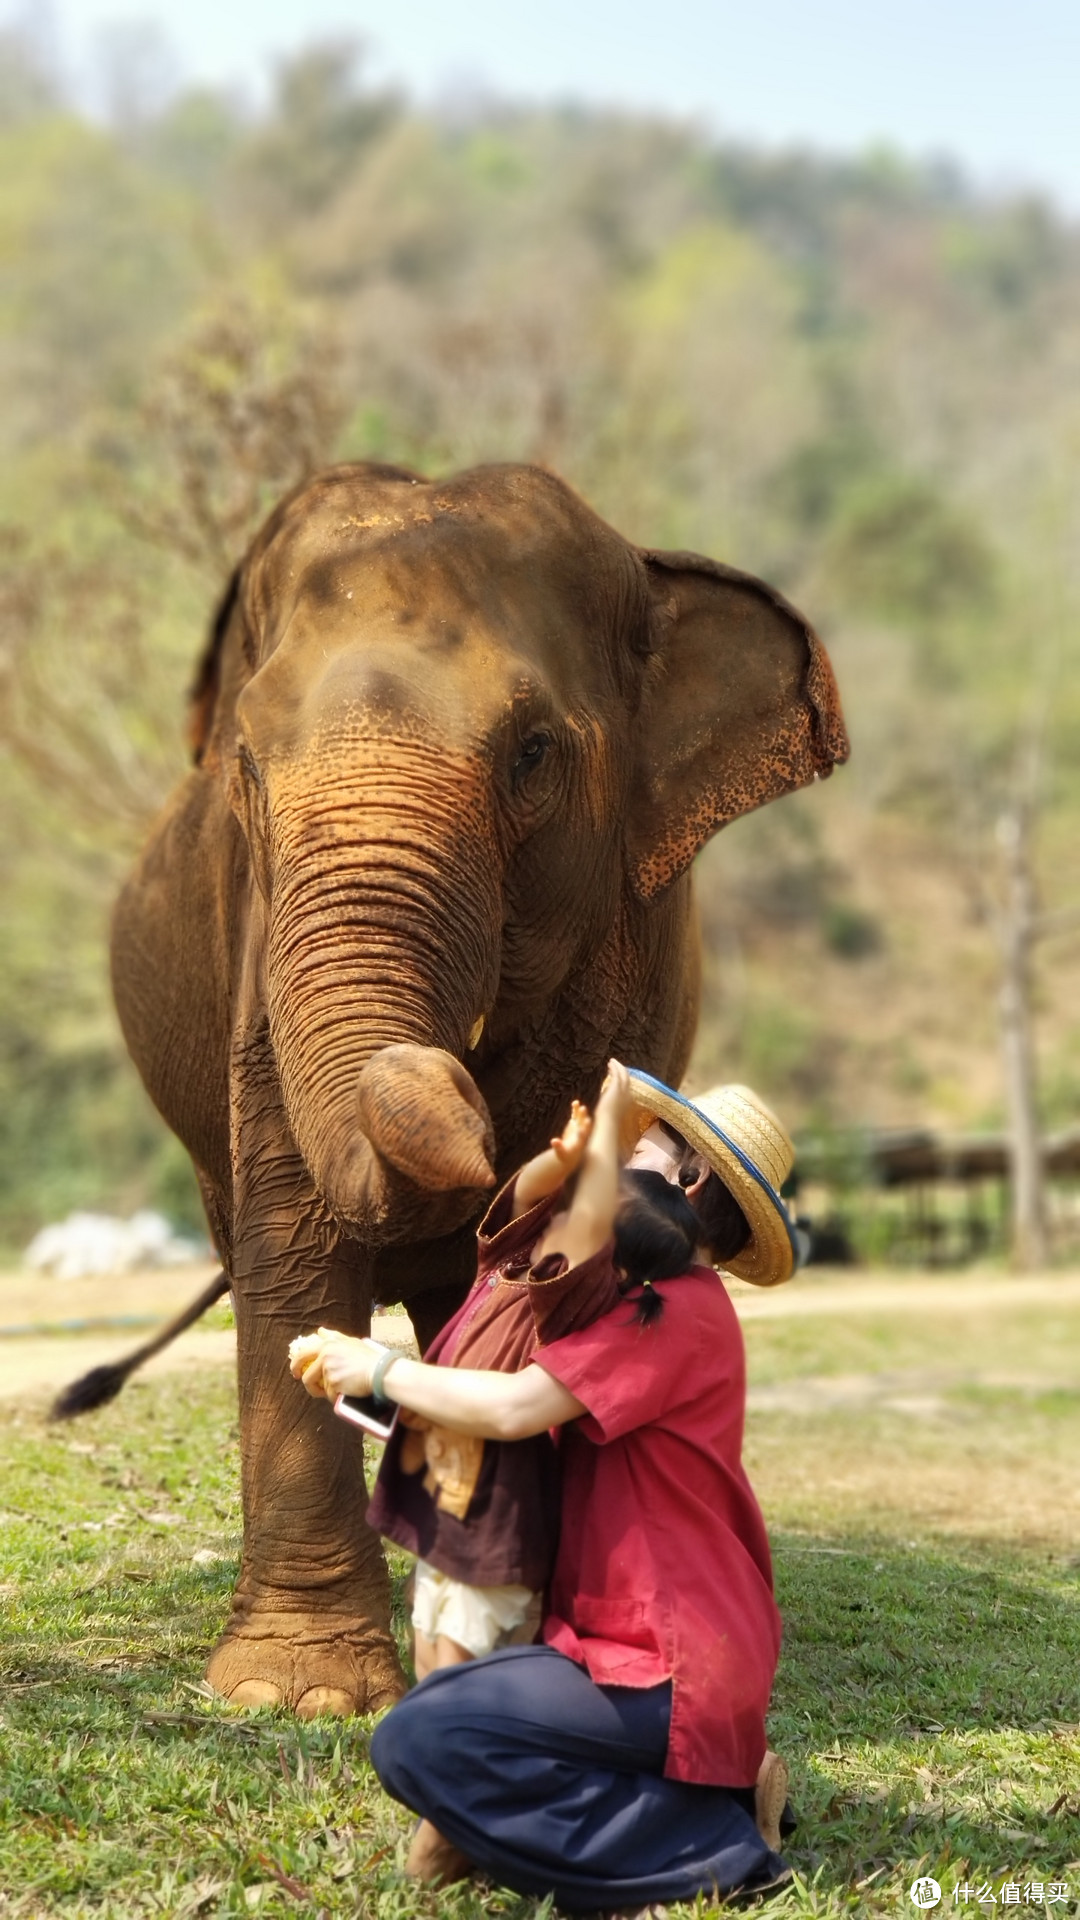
(927, 1199)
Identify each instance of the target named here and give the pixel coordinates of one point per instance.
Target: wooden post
(1018, 929)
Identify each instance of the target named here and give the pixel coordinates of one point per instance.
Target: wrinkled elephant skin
(456, 745)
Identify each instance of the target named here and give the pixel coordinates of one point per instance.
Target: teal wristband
(382, 1367)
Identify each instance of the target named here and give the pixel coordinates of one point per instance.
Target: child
(482, 1516)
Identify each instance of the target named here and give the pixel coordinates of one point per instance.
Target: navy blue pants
(551, 1784)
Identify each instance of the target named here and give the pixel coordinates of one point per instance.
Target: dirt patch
(824, 1291)
(913, 1476)
(36, 1364)
(968, 1428)
(37, 1369)
(153, 1293)
(921, 1395)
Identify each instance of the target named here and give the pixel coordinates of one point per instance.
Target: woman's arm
(589, 1222)
(492, 1406)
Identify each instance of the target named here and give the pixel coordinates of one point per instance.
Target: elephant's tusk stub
(475, 1031)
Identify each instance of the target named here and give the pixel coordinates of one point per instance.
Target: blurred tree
(28, 87)
(244, 409)
(898, 549)
(195, 142)
(87, 720)
(90, 704)
(857, 377)
(321, 122)
(96, 263)
(710, 403)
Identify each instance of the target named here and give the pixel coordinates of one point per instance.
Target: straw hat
(747, 1146)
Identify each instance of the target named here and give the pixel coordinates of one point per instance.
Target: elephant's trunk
(383, 958)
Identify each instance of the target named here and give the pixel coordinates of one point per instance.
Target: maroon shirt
(663, 1568)
(509, 1534)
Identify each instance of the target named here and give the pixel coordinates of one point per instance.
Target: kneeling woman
(624, 1760)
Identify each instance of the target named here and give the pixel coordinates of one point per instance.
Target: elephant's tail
(101, 1384)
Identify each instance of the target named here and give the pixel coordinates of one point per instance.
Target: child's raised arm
(546, 1172)
(588, 1224)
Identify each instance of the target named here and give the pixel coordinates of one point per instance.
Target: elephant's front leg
(310, 1621)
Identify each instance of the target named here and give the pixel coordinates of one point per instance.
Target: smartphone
(377, 1417)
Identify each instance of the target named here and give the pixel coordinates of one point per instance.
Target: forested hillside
(858, 379)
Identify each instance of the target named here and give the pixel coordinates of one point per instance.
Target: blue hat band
(748, 1165)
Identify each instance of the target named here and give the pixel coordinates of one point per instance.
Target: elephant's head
(466, 729)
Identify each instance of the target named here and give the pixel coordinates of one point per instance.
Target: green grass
(927, 1699)
(930, 1700)
(969, 1336)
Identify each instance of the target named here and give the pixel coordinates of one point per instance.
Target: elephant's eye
(531, 753)
(249, 766)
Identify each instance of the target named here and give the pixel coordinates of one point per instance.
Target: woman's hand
(617, 1092)
(328, 1363)
(305, 1361)
(616, 1106)
(302, 1351)
(571, 1144)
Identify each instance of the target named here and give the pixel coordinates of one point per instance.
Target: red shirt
(663, 1569)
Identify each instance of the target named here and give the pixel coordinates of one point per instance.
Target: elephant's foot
(329, 1663)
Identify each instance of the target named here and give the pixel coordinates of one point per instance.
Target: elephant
(455, 745)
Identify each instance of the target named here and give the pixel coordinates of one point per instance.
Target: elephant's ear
(205, 691)
(739, 706)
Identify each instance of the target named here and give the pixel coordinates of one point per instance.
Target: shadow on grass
(927, 1700)
(881, 1640)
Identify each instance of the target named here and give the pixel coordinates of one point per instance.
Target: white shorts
(477, 1618)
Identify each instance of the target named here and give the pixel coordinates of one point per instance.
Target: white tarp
(87, 1243)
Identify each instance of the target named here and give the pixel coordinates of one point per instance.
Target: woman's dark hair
(656, 1232)
(722, 1226)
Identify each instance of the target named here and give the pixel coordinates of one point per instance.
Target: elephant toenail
(256, 1693)
(324, 1700)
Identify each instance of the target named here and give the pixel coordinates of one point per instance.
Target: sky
(990, 83)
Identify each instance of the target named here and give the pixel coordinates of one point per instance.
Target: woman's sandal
(770, 1799)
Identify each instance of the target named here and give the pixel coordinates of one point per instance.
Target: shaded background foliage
(857, 378)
